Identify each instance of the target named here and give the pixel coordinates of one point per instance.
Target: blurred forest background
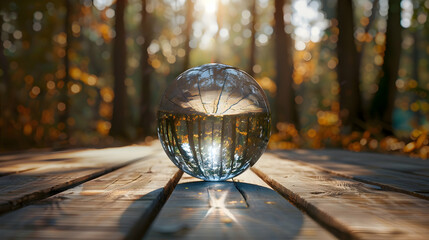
(345, 74)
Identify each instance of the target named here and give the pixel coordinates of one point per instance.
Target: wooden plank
(34, 154)
(245, 209)
(114, 206)
(374, 160)
(353, 209)
(17, 163)
(55, 234)
(399, 173)
(47, 178)
(395, 162)
(271, 211)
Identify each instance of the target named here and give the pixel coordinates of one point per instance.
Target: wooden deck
(136, 192)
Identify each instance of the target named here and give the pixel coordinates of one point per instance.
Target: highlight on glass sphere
(214, 122)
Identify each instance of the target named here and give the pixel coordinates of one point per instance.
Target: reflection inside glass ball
(214, 122)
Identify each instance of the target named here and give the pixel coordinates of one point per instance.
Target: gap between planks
(350, 210)
(142, 225)
(117, 205)
(384, 186)
(336, 228)
(19, 163)
(245, 208)
(18, 202)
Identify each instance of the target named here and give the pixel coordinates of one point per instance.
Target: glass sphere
(214, 121)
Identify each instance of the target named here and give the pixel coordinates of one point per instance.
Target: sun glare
(218, 204)
(308, 22)
(207, 24)
(102, 4)
(209, 6)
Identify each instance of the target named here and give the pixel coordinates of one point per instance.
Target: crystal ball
(214, 121)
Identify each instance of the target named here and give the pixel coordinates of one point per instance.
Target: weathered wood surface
(246, 208)
(353, 209)
(31, 153)
(396, 173)
(16, 163)
(44, 177)
(109, 207)
(118, 193)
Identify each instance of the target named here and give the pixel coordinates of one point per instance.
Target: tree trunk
(119, 61)
(8, 106)
(145, 100)
(360, 54)
(188, 33)
(64, 98)
(351, 113)
(252, 40)
(416, 58)
(285, 97)
(384, 99)
(371, 20)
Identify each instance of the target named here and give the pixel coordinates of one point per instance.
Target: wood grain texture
(396, 173)
(33, 154)
(244, 209)
(45, 178)
(29, 160)
(41, 159)
(117, 205)
(351, 209)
